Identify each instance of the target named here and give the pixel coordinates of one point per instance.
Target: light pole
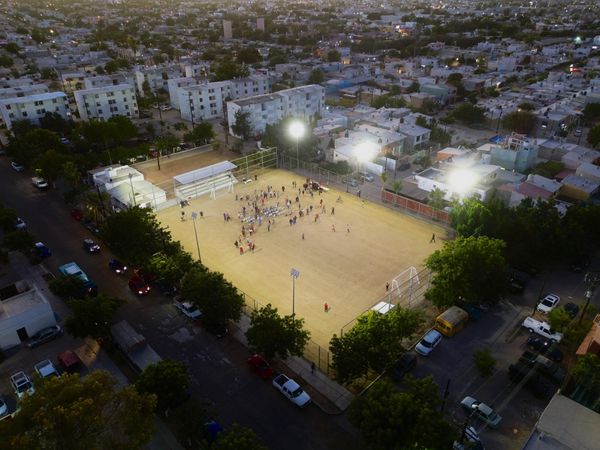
(194, 217)
(132, 191)
(295, 273)
(297, 130)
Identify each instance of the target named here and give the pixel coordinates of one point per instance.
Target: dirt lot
(348, 268)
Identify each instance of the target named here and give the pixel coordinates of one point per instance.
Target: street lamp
(194, 217)
(295, 273)
(297, 130)
(364, 152)
(462, 181)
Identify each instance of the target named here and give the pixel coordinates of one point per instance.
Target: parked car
(45, 335)
(17, 166)
(541, 328)
(481, 411)
(219, 330)
(138, 285)
(46, 369)
(404, 365)
(117, 266)
(188, 309)
(76, 214)
(350, 182)
(366, 176)
(20, 225)
(165, 288)
(70, 362)
(22, 384)
(517, 280)
(544, 366)
(548, 303)
(572, 309)
(291, 390)
(260, 366)
(90, 246)
(545, 347)
(40, 183)
(3, 409)
(428, 342)
(41, 250)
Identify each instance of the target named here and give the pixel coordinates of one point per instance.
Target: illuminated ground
(348, 270)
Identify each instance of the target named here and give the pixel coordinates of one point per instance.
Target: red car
(258, 364)
(76, 214)
(138, 285)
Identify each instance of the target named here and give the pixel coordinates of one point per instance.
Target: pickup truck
(291, 390)
(541, 328)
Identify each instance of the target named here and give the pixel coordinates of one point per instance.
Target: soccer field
(347, 268)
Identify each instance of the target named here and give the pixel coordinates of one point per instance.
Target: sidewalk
(329, 396)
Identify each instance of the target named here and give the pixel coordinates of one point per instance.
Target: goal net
(403, 285)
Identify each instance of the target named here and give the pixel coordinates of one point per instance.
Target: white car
(482, 411)
(18, 167)
(46, 369)
(3, 408)
(20, 225)
(22, 384)
(548, 303)
(428, 342)
(188, 309)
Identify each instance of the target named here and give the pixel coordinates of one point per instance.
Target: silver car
(428, 342)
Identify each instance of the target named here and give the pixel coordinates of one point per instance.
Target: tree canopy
(390, 419)
(275, 336)
(92, 317)
(519, 121)
(373, 343)
(469, 269)
(241, 126)
(468, 114)
(167, 380)
(238, 437)
(71, 413)
(201, 134)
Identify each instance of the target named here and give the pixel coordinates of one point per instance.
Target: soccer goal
(403, 285)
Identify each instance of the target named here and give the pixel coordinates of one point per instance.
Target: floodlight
(297, 129)
(462, 180)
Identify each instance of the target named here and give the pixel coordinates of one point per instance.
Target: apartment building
(108, 101)
(156, 77)
(206, 101)
(33, 107)
(303, 102)
(21, 91)
(174, 85)
(108, 80)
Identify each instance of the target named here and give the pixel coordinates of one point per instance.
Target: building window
(24, 113)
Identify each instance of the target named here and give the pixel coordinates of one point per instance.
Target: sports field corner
(345, 258)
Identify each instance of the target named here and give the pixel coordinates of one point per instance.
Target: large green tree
(33, 144)
(238, 437)
(71, 413)
(373, 343)
(242, 126)
(92, 317)
(216, 297)
(469, 269)
(168, 380)
(519, 121)
(170, 267)
(468, 113)
(201, 134)
(228, 69)
(275, 336)
(593, 136)
(316, 76)
(410, 419)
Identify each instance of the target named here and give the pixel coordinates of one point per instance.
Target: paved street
(218, 367)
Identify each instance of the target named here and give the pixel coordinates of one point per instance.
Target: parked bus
(451, 321)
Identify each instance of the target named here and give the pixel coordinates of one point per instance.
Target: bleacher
(204, 181)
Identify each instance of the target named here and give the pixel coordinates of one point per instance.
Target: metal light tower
(194, 217)
(295, 273)
(297, 130)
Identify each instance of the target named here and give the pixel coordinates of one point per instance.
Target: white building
(303, 102)
(108, 80)
(157, 77)
(105, 102)
(174, 84)
(206, 101)
(33, 107)
(21, 91)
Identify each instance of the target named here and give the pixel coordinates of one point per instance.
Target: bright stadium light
(297, 130)
(365, 151)
(462, 181)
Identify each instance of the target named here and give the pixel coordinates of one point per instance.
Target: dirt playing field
(347, 268)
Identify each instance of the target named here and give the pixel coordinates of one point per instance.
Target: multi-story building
(304, 102)
(174, 85)
(206, 101)
(227, 30)
(33, 107)
(72, 81)
(105, 102)
(21, 91)
(108, 80)
(156, 77)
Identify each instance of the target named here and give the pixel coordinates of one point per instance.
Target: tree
(333, 55)
(168, 380)
(51, 165)
(170, 267)
(228, 70)
(435, 198)
(559, 319)
(549, 169)
(134, 234)
(276, 336)
(484, 361)
(201, 134)
(414, 87)
(587, 372)
(187, 419)
(593, 136)
(92, 317)
(390, 419)
(238, 437)
(66, 286)
(20, 240)
(166, 144)
(388, 101)
(8, 219)
(468, 113)
(55, 122)
(216, 146)
(12, 47)
(71, 413)
(242, 126)
(33, 145)
(216, 297)
(373, 343)
(521, 122)
(316, 76)
(397, 186)
(467, 269)
(591, 112)
(249, 55)
(6, 61)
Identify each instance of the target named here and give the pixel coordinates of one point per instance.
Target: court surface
(347, 268)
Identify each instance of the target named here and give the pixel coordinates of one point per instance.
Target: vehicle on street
(90, 246)
(188, 309)
(138, 285)
(20, 225)
(350, 182)
(165, 288)
(64, 141)
(212, 429)
(40, 183)
(219, 330)
(22, 384)
(428, 342)
(577, 132)
(451, 321)
(366, 176)
(260, 366)
(46, 369)
(481, 411)
(76, 214)
(539, 386)
(3, 409)
(41, 250)
(292, 390)
(469, 440)
(541, 328)
(70, 362)
(72, 269)
(544, 366)
(406, 363)
(117, 266)
(545, 347)
(517, 280)
(572, 309)
(548, 303)
(16, 166)
(45, 335)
